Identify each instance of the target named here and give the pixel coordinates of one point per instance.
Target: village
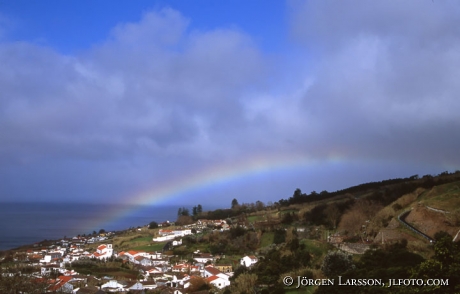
(156, 271)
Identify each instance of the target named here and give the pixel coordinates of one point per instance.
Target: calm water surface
(27, 223)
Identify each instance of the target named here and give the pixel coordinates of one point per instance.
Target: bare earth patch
(430, 222)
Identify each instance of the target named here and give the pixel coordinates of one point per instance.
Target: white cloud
(158, 99)
(152, 91)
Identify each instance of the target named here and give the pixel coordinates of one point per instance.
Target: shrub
(336, 262)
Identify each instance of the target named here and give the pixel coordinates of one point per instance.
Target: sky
(200, 102)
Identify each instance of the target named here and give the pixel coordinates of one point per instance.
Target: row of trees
(389, 190)
(196, 211)
(184, 217)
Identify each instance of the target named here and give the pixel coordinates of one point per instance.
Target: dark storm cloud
(384, 76)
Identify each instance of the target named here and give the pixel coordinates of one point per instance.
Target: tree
(279, 236)
(244, 283)
(444, 265)
(355, 218)
(183, 211)
(260, 205)
(296, 197)
(234, 203)
(153, 225)
(332, 215)
(336, 262)
(198, 284)
(184, 220)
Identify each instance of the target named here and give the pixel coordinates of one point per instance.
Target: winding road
(402, 219)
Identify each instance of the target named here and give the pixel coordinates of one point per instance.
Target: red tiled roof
(212, 270)
(204, 255)
(61, 281)
(212, 278)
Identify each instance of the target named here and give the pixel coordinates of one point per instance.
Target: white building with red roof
(215, 277)
(218, 282)
(103, 251)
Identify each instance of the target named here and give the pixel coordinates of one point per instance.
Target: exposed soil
(425, 220)
(430, 222)
(393, 233)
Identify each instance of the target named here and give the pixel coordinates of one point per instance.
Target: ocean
(28, 223)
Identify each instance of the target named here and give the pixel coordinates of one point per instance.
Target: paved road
(402, 219)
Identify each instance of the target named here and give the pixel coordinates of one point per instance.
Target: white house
(203, 257)
(218, 282)
(248, 261)
(165, 232)
(113, 286)
(216, 277)
(103, 251)
(131, 254)
(164, 238)
(182, 233)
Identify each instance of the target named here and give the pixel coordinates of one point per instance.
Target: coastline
(25, 224)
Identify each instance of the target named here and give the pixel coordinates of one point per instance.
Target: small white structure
(248, 261)
(112, 286)
(177, 243)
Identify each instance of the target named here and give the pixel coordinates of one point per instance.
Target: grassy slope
(445, 197)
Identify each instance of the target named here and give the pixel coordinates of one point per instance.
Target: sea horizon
(25, 223)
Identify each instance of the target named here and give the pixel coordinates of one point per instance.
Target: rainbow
(217, 175)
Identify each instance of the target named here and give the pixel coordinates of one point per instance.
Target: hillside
(292, 237)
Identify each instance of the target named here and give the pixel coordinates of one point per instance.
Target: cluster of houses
(155, 268)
